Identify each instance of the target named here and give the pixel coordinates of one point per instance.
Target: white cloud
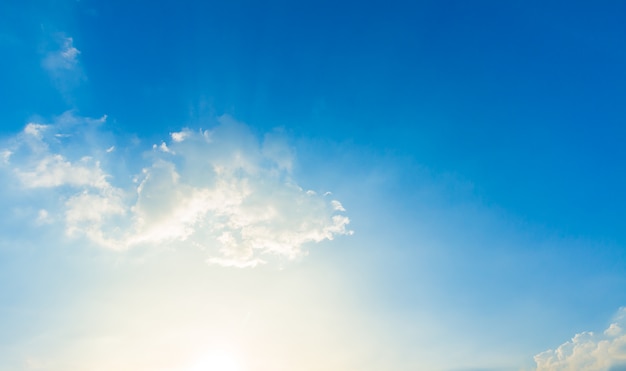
(34, 129)
(6, 155)
(222, 190)
(589, 351)
(64, 58)
(181, 135)
(337, 205)
(43, 217)
(63, 65)
(54, 170)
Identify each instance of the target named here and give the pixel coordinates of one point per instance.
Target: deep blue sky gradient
(522, 104)
(526, 100)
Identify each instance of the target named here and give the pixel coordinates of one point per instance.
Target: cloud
(62, 63)
(181, 135)
(221, 190)
(589, 351)
(63, 59)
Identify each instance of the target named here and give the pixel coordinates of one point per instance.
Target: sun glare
(217, 361)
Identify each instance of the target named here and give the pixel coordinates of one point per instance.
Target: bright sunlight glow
(217, 361)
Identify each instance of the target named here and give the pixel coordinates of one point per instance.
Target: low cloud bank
(589, 351)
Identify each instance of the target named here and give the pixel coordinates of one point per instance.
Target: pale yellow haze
(171, 311)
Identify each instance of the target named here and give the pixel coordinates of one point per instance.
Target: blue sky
(429, 185)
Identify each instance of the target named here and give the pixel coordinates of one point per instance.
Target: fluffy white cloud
(222, 190)
(38, 165)
(589, 351)
(181, 135)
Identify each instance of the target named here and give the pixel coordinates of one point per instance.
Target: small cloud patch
(589, 351)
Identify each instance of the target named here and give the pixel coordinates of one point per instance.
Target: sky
(312, 185)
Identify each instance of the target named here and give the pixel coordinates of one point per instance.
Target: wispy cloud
(221, 190)
(589, 351)
(64, 58)
(62, 63)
